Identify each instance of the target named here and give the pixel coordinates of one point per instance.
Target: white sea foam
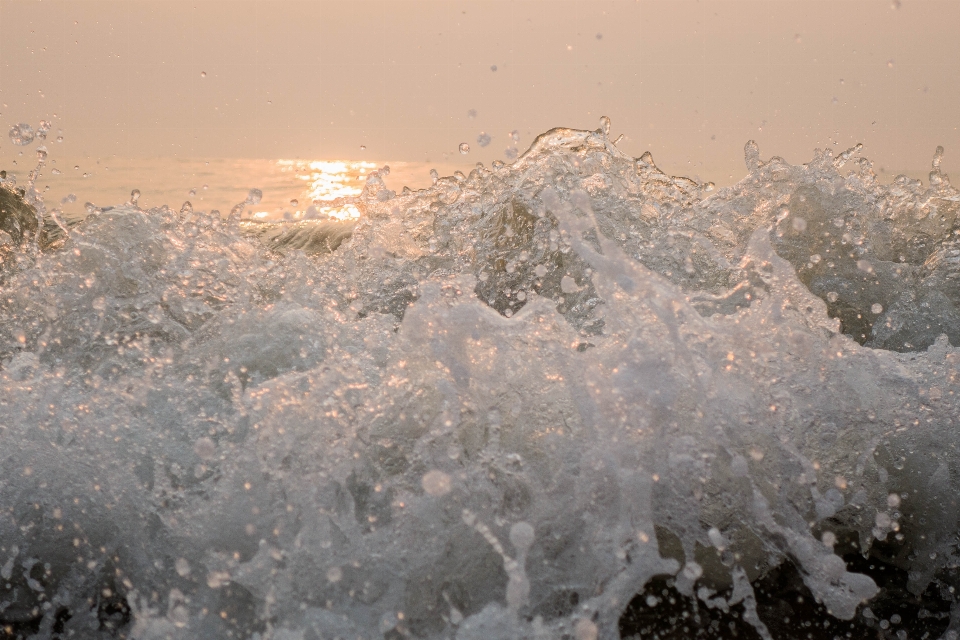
(563, 376)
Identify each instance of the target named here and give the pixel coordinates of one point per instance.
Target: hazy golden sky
(689, 80)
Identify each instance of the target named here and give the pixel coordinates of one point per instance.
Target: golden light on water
(329, 183)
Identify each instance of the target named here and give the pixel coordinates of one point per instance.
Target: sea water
(567, 397)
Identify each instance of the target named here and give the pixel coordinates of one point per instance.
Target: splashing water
(21, 134)
(526, 402)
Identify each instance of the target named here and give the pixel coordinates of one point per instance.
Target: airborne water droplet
(464, 148)
(203, 74)
(483, 139)
(294, 202)
(876, 308)
(493, 68)
(21, 134)
(605, 125)
(134, 196)
(186, 208)
(255, 196)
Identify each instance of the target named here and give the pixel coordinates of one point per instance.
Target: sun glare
(328, 185)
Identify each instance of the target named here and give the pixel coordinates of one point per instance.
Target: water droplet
(692, 571)
(434, 176)
(599, 36)
(59, 138)
(493, 68)
(41, 154)
(182, 567)
(890, 63)
(203, 74)
(515, 135)
(436, 483)
(799, 224)
(751, 155)
(192, 192)
(294, 202)
(134, 196)
(363, 147)
(42, 129)
(56, 172)
(605, 125)
(937, 157)
(832, 296)
(464, 148)
(21, 134)
(876, 308)
(255, 196)
(205, 187)
(186, 208)
(69, 199)
(483, 139)
(895, 4)
(510, 153)
(815, 258)
(334, 574)
(472, 113)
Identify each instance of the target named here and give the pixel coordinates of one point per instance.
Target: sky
(689, 80)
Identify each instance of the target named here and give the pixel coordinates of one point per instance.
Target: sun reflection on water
(330, 185)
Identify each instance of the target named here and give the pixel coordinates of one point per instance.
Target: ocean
(567, 397)
(289, 187)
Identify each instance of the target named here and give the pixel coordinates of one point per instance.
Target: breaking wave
(569, 397)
